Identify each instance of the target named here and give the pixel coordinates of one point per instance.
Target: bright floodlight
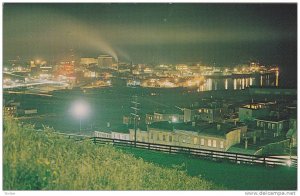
(80, 109)
(174, 119)
(289, 162)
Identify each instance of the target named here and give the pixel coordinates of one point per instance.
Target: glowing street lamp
(289, 162)
(80, 109)
(174, 119)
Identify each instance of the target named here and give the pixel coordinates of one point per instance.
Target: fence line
(238, 158)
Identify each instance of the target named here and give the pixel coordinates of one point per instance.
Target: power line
(135, 114)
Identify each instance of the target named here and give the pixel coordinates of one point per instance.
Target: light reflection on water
(277, 78)
(238, 83)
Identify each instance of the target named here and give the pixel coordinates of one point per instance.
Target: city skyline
(150, 96)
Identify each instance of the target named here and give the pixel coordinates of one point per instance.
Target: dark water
(111, 104)
(239, 83)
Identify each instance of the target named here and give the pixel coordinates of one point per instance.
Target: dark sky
(224, 34)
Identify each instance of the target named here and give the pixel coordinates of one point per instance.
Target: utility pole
(135, 114)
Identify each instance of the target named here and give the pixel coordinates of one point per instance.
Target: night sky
(224, 34)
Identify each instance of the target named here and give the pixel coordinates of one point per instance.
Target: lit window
(273, 126)
(202, 142)
(214, 143)
(195, 140)
(280, 126)
(258, 123)
(221, 144)
(209, 143)
(269, 125)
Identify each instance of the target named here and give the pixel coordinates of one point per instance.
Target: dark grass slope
(43, 160)
(229, 175)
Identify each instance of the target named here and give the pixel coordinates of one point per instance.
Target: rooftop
(119, 129)
(201, 128)
(212, 129)
(169, 111)
(205, 103)
(164, 125)
(254, 106)
(272, 118)
(122, 129)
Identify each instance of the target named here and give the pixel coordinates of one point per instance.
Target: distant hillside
(46, 161)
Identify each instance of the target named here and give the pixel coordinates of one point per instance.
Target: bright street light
(80, 110)
(174, 119)
(289, 162)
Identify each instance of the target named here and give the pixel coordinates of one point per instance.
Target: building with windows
(88, 61)
(105, 61)
(66, 68)
(121, 135)
(273, 126)
(164, 116)
(103, 134)
(250, 111)
(142, 135)
(189, 114)
(121, 132)
(204, 111)
(212, 136)
(10, 110)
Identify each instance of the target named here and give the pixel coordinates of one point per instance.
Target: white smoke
(89, 38)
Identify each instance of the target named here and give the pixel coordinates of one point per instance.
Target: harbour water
(110, 104)
(239, 83)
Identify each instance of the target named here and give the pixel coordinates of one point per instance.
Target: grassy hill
(232, 176)
(46, 161)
